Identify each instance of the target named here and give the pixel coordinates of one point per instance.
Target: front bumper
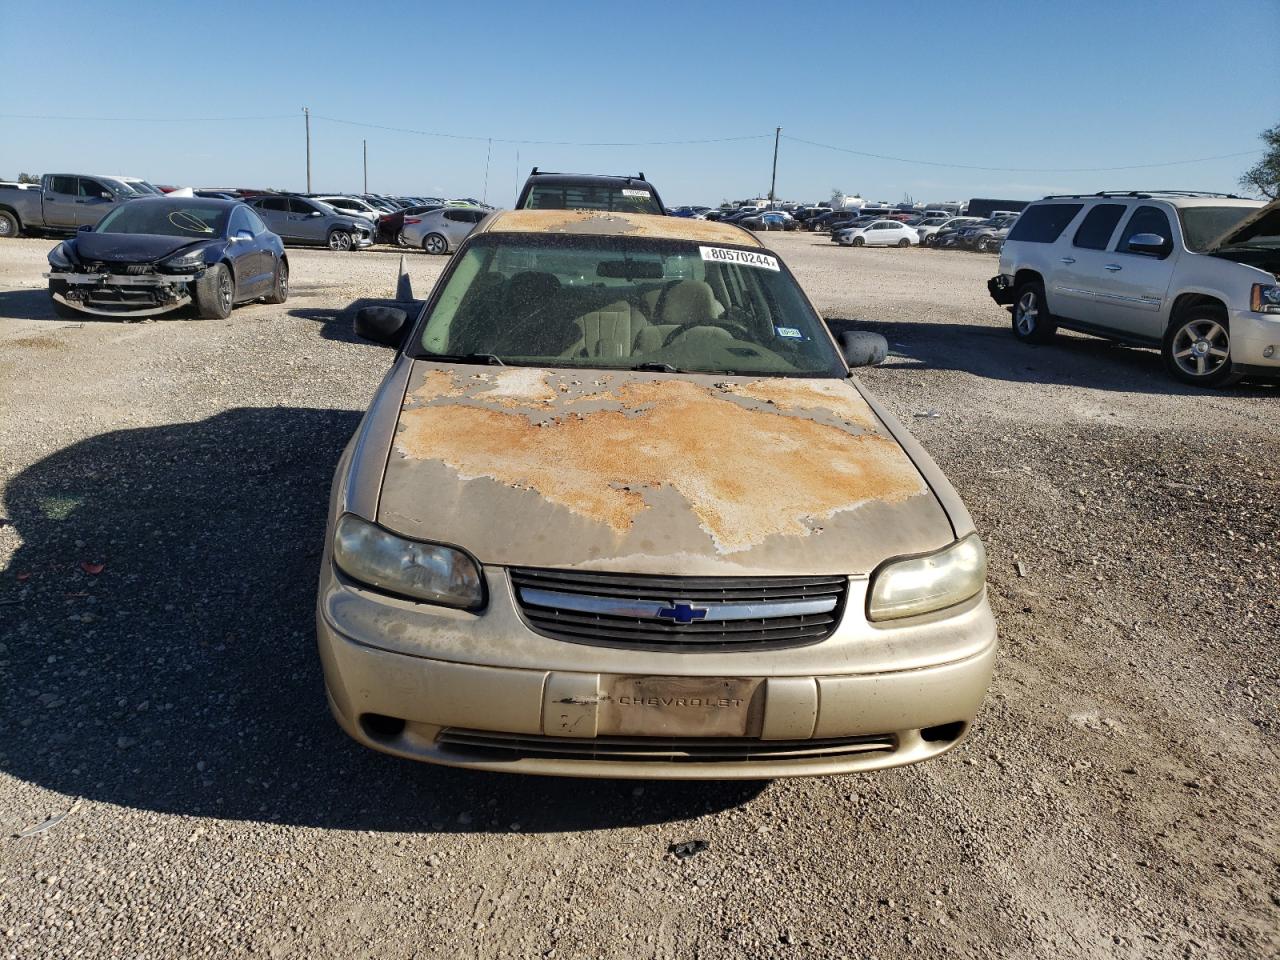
(486, 692)
(1001, 289)
(1252, 335)
(114, 294)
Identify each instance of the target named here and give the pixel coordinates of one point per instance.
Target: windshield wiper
(491, 359)
(656, 367)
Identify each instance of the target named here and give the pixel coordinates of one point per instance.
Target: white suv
(1195, 274)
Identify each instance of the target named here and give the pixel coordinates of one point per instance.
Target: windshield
(193, 220)
(623, 303)
(1202, 225)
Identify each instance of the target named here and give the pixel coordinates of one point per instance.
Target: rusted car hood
(653, 473)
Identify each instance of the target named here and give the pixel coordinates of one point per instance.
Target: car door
(94, 201)
(1076, 266)
(1132, 286)
(275, 214)
(59, 202)
(880, 233)
(305, 225)
(251, 261)
(455, 225)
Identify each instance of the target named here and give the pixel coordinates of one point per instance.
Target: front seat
(682, 302)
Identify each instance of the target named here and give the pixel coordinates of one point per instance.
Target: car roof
(604, 224)
(208, 202)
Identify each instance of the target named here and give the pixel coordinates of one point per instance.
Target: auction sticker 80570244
(748, 258)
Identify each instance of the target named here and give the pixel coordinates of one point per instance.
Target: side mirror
(86, 228)
(863, 349)
(241, 235)
(1151, 244)
(384, 325)
(315, 213)
(106, 196)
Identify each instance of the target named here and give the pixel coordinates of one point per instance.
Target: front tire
(280, 289)
(215, 293)
(1197, 347)
(1032, 321)
(339, 240)
(858, 242)
(435, 244)
(8, 225)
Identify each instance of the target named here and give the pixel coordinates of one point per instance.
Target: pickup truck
(64, 203)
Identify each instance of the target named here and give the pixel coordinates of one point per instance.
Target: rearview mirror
(862, 349)
(630, 269)
(1152, 244)
(384, 325)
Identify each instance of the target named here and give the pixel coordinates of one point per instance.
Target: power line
(967, 166)
(547, 143)
(636, 143)
(34, 116)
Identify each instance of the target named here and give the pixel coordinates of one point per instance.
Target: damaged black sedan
(154, 255)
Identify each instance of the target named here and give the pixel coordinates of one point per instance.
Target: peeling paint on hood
(653, 472)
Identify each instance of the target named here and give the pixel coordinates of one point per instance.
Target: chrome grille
(697, 613)
(485, 745)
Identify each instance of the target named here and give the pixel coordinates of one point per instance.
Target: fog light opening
(1269, 352)
(377, 726)
(943, 732)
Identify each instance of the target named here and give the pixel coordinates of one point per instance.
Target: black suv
(587, 191)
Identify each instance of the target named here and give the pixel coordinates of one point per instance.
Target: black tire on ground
(1197, 346)
(904, 242)
(857, 241)
(339, 240)
(1032, 321)
(8, 225)
(434, 243)
(215, 293)
(280, 288)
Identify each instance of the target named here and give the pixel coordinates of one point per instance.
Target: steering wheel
(726, 321)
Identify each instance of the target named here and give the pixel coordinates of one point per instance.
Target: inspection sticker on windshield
(747, 258)
(791, 333)
(635, 193)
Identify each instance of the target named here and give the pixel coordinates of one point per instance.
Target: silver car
(301, 220)
(440, 231)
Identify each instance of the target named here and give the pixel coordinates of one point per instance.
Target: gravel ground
(164, 492)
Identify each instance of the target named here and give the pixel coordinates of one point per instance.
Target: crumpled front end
(112, 290)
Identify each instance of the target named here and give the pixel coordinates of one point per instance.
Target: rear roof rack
(551, 173)
(1144, 194)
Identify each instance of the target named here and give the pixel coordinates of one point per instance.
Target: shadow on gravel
(31, 305)
(339, 324)
(1079, 361)
(182, 676)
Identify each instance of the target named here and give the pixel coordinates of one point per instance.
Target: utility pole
(484, 197)
(365, 143)
(306, 113)
(773, 182)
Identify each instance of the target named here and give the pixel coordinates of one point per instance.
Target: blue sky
(993, 84)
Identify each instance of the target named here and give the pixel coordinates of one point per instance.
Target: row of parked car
(63, 203)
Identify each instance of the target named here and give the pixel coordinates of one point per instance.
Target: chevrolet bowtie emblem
(683, 613)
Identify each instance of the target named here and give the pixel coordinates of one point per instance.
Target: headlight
(906, 588)
(60, 257)
(187, 261)
(1265, 298)
(423, 571)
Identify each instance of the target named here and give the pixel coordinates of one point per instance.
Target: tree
(1264, 176)
(28, 178)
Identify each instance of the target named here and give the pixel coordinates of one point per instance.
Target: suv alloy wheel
(1032, 321)
(1197, 347)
